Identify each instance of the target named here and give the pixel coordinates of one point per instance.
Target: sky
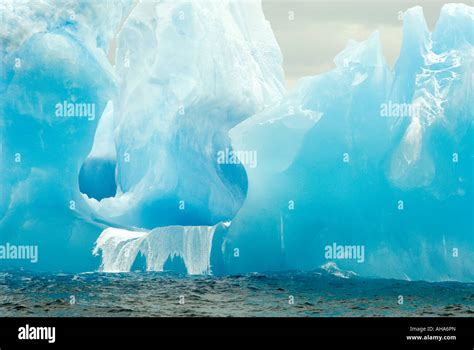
(312, 32)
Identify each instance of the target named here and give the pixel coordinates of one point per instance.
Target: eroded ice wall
(55, 81)
(158, 73)
(188, 72)
(386, 165)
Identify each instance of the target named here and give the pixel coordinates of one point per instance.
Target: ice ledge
(193, 244)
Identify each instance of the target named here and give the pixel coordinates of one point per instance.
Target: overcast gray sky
(321, 28)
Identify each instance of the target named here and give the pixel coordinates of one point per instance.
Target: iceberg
(157, 136)
(371, 157)
(55, 81)
(174, 62)
(99, 100)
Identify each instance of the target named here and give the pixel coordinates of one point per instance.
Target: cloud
(312, 32)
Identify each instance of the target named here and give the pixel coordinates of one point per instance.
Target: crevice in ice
(97, 176)
(175, 263)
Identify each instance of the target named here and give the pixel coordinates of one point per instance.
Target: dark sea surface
(159, 294)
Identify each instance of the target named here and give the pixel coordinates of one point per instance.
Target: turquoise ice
(138, 134)
(366, 156)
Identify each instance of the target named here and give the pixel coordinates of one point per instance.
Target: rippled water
(159, 294)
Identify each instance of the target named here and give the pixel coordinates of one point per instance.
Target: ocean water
(291, 293)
